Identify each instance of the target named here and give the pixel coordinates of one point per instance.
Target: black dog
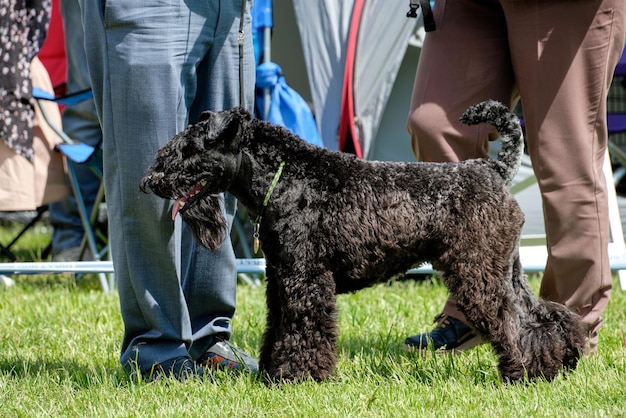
(332, 223)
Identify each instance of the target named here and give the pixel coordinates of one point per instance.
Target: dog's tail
(510, 130)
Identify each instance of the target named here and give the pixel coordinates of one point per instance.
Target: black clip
(413, 10)
(427, 13)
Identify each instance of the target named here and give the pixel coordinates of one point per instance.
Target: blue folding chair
(78, 153)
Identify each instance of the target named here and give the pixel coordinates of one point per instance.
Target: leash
(257, 221)
(242, 100)
(240, 41)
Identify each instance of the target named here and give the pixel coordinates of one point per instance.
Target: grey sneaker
(224, 355)
(449, 334)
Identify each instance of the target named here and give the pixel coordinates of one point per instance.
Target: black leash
(240, 40)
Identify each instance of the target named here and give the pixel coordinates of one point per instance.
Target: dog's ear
(237, 121)
(223, 129)
(234, 127)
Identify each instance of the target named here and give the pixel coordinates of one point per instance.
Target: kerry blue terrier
(332, 223)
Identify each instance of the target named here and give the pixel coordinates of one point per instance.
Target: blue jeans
(155, 66)
(80, 122)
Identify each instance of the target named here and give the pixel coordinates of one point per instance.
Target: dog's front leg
(300, 339)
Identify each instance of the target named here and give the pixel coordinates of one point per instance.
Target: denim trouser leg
(153, 68)
(80, 123)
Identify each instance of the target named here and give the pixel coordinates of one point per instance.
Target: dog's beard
(206, 220)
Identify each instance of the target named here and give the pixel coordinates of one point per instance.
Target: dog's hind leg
(481, 286)
(532, 338)
(300, 340)
(552, 337)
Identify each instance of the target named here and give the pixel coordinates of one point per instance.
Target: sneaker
(224, 355)
(450, 334)
(179, 368)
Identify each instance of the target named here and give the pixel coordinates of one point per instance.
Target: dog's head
(195, 166)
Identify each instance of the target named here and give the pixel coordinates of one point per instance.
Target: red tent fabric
(348, 137)
(52, 52)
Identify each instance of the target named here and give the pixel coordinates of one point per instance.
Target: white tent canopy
(375, 34)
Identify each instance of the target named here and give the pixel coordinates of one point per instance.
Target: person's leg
(218, 89)
(463, 62)
(150, 54)
(564, 67)
(80, 123)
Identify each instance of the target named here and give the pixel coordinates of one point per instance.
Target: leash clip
(413, 4)
(427, 13)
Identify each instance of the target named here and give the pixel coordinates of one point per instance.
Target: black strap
(427, 14)
(240, 40)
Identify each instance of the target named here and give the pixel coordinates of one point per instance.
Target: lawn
(59, 346)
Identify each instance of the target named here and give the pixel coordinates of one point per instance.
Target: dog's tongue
(176, 208)
(180, 202)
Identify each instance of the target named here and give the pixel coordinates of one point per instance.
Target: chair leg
(88, 221)
(6, 250)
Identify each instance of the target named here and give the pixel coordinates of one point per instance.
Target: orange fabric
(25, 185)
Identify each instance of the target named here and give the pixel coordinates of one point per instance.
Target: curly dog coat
(331, 223)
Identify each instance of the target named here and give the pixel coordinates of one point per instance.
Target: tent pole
(267, 57)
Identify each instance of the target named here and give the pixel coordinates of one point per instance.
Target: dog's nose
(151, 181)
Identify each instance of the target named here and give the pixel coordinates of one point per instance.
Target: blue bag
(287, 107)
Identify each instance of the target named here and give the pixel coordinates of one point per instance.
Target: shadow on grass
(387, 359)
(81, 375)
(85, 282)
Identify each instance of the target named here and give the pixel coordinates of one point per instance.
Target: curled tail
(510, 130)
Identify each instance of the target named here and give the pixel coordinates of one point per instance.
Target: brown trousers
(558, 56)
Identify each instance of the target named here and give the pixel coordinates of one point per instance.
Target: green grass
(59, 346)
